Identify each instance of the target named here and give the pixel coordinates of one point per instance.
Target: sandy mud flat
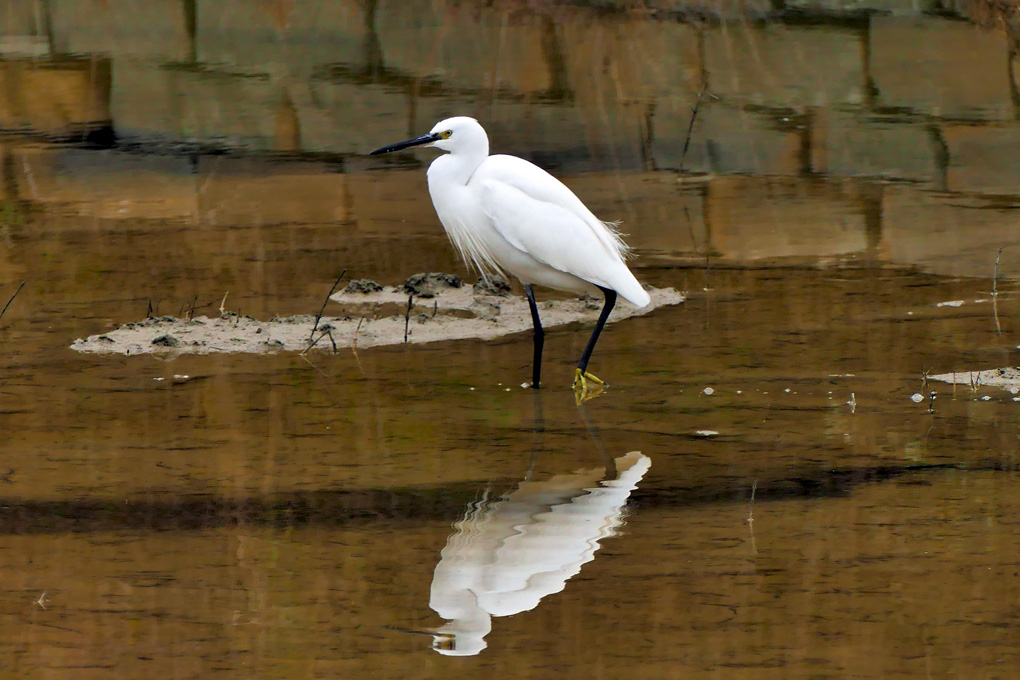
(1007, 378)
(370, 316)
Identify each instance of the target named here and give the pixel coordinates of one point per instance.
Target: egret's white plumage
(506, 215)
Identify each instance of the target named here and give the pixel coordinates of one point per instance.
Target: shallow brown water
(285, 515)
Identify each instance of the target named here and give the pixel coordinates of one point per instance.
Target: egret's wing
(539, 185)
(548, 232)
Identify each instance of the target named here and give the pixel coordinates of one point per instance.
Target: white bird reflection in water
(509, 553)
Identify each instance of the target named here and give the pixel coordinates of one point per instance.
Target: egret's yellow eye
(446, 134)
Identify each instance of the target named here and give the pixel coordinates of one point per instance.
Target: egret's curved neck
(458, 166)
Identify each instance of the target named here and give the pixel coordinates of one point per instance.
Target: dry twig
(407, 316)
(318, 316)
(12, 299)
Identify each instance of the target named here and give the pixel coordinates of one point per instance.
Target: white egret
(506, 215)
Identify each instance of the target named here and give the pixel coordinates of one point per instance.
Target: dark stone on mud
(297, 318)
(166, 341)
(591, 302)
(427, 285)
(365, 286)
(492, 285)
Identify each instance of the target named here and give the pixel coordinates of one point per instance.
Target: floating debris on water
(708, 390)
(917, 397)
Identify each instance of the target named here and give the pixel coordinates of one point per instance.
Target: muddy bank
(1007, 378)
(374, 318)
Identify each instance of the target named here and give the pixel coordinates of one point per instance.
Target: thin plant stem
(318, 316)
(12, 299)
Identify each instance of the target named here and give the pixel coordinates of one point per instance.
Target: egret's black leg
(581, 374)
(536, 368)
(606, 310)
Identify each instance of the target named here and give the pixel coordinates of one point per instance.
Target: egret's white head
(459, 134)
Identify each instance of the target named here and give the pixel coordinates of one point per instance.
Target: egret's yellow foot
(587, 386)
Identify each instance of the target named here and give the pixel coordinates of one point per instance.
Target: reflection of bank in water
(507, 554)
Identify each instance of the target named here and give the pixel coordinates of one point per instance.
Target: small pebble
(708, 390)
(917, 397)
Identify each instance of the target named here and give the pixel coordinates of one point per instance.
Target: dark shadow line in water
(410, 505)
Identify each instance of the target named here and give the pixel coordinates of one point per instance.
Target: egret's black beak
(417, 141)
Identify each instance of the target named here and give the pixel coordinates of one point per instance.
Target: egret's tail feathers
(626, 286)
(616, 275)
(637, 296)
